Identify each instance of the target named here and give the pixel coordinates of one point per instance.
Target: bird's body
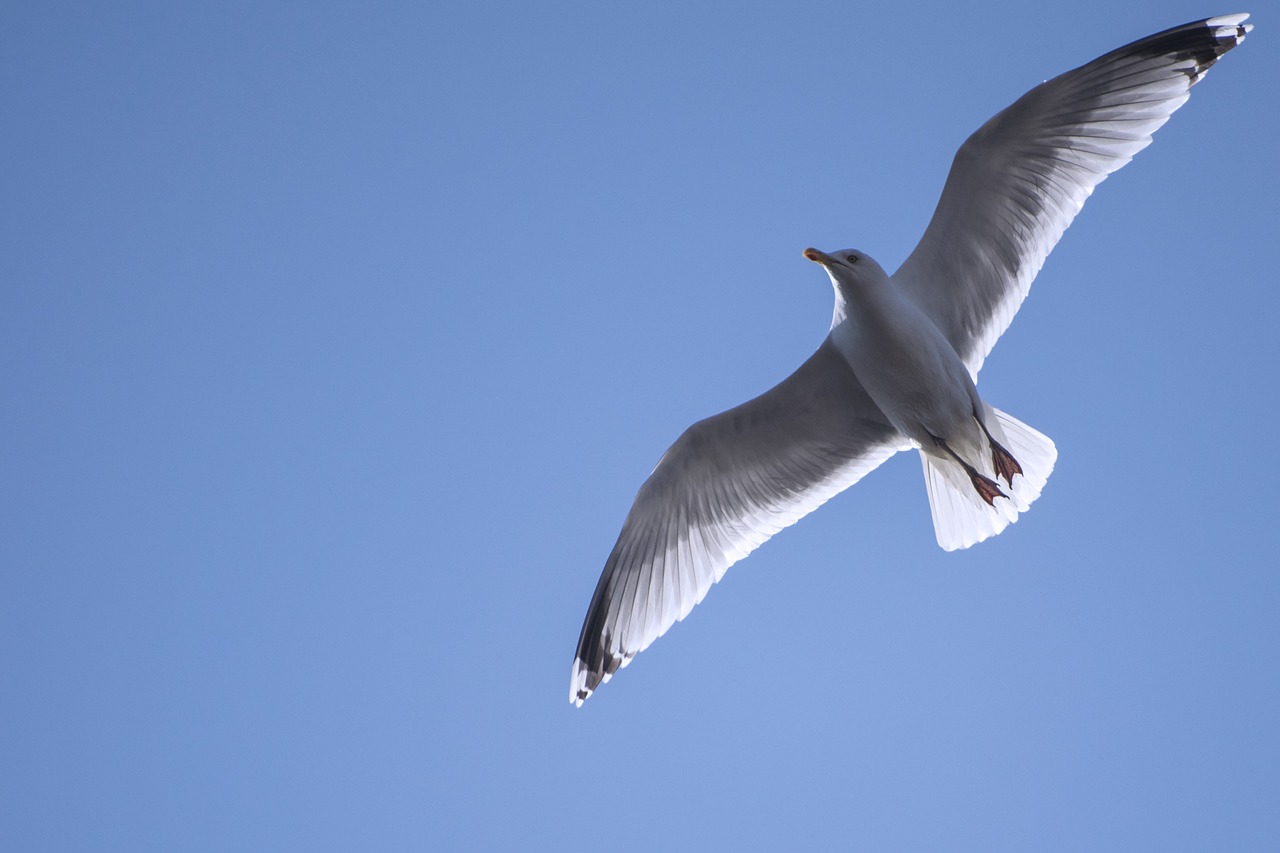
(899, 366)
(912, 373)
(923, 389)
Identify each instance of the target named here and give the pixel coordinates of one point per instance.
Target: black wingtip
(1202, 42)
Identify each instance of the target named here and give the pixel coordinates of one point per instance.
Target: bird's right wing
(1020, 179)
(728, 484)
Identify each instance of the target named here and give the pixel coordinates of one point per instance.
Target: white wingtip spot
(578, 691)
(1230, 27)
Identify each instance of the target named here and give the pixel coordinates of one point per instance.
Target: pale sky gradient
(336, 340)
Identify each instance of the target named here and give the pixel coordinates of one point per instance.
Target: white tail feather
(960, 516)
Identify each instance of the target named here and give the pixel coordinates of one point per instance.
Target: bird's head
(847, 267)
(854, 276)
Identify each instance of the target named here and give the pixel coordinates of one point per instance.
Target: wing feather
(1019, 181)
(728, 484)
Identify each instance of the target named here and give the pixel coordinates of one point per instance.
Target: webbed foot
(987, 488)
(1001, 460)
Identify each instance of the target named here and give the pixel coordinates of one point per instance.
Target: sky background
(335, 341)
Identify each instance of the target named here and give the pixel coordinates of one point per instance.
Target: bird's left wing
(728, 484)
(1020, 179)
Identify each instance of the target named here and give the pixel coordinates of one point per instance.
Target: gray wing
(1017, 183)
(728, 484)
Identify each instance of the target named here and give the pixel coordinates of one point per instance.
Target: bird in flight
(898, 368)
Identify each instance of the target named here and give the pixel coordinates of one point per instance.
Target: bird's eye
(853, 259)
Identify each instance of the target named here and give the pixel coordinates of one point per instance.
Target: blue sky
(336, 341)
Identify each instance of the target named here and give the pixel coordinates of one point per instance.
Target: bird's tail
(960, 515)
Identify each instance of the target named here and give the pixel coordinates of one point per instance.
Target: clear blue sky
(336, 340)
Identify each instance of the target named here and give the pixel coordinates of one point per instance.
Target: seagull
(899, 367)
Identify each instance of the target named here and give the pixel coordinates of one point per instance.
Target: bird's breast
(909, 369)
